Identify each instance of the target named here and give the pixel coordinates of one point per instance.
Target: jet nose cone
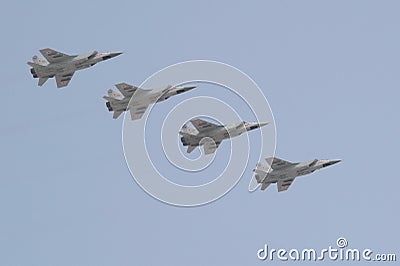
(253, 125)
(331, 162)
(190, 87)
(111, 55)
(114, 54)
(179, 90)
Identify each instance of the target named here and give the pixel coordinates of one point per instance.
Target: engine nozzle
(184, 142)
(108, 104)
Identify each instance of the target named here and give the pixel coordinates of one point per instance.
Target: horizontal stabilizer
(115, 94)
(42, 81)
(264, 186)
(117, 114)
(190, 149)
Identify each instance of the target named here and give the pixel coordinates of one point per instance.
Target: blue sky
(329, 70)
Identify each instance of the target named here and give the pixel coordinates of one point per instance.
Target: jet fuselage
(286, 174)
(49, 70)
(220, 133)
(118, 103)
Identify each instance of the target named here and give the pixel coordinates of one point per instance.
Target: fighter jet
(62, 66)
(210, 135)
(120, 101)
(283, 172)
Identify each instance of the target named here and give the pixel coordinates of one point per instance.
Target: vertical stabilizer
(115, 94)
(39, 61)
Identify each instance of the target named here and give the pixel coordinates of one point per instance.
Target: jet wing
(210, 147)
(63, 79)
(284, 184)
(53, 56)
(126, 89)
(277, 163)
(190, 149)
(202, 125)
(137, 110)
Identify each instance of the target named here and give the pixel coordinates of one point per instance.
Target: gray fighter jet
(120, 101)
(210, 135)
(283, 172)
(62, 66)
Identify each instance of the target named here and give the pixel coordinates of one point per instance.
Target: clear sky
(329, 69)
